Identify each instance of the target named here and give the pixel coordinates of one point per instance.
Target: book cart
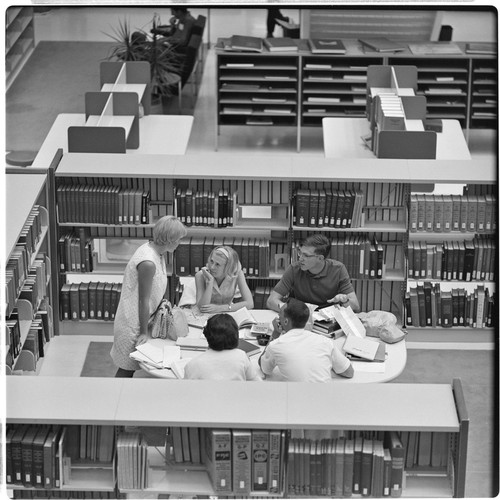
(435, 408)
(303, 88)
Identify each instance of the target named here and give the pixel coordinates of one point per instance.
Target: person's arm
(341, 365)
(146, 271)
(347, 299)
(204, 286)
(275, 301)
(246, 294)
(266, 361)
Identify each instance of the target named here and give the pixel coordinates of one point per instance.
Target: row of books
(76, 251)
(341, 467)
(466, 260)
(31, 232)
(65, 494)
(92, 300)
(328, 208)
(426, 449)
(193, 252)
(444, 213)
(25, 280)
(99, 204)
(206, 208)
(427, 305)
(364, 258)
(132, 461)
(40, 456)
(241, 461)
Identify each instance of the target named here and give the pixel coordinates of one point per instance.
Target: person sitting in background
(302, 355)
(144, 286)
(216, 283)
(274, 13)
(181, 25)
(315, 278)
(223, 360)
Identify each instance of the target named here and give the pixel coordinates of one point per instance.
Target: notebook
(249, 348)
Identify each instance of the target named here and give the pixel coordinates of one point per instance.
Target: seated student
(216, 283)
(223, 360)
(302, 355)
(181, 25)
(315, 279)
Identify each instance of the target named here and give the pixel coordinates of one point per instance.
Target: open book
(243, 318)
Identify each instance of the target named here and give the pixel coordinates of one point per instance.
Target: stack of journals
(382, 44)
(281, 44)
(240, 43)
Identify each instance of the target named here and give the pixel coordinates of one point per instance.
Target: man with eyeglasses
(315, 279)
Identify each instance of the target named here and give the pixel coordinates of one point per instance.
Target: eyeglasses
(300, 254)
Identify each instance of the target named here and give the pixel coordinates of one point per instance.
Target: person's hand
(277, 328)
(141, 339)
(213, 308)
(207, 276)
(341, 299)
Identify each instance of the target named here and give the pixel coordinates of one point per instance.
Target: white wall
(95, 23)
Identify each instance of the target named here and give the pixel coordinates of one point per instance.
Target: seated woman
(223, 360)
(216, 283)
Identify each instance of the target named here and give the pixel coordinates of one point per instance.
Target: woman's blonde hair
(168, 229)
(232, 266)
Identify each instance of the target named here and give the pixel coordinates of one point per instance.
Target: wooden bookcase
(29, 228)
(291, 406)
(457, 86)
(19, 40)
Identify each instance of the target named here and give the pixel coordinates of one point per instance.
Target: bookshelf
(19, 40)
(29, 322)
(457, 86)
(294, 406)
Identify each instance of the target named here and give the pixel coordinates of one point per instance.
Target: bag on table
(168, 322)
(382, 324)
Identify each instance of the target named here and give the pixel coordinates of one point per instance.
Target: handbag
(168, 322)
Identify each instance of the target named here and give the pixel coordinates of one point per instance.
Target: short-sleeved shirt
(315, 288)
(303, 356)
(229, 364)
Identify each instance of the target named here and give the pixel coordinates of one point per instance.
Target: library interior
(211, 168)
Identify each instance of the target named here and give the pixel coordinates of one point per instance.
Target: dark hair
(320, 243)
(221, 332)
(297, 312)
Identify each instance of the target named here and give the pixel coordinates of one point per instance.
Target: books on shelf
(382, 44)
(326, 46)
(281, 44)
(441, 48)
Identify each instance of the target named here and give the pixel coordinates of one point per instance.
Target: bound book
(327, 46)
(243, 318)
(244, 43)
(379, 355)
(247, 347)
(481, 48)
(281, 44)
(362, 347)
(382, 44)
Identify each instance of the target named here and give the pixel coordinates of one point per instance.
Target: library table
(342, 139)
(158, 134)
(364, 372)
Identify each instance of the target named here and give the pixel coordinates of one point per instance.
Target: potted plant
(139, 45)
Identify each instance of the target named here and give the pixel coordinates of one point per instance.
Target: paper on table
(171, 353)
(154, 353)
(361, 366)
(141, 358)
(178, 367)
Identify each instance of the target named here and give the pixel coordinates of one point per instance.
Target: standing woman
(144, 286)
(216, 283)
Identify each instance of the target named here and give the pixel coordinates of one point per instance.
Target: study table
(159, 135)
(364, 372)
(342, 139)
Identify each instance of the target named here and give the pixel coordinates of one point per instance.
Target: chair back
(199, 26)
(190, 57)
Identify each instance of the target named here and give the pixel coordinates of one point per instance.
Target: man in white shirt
(302, 355)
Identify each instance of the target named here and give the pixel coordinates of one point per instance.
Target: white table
(342, 139)
(158, 135)
(394, 364)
